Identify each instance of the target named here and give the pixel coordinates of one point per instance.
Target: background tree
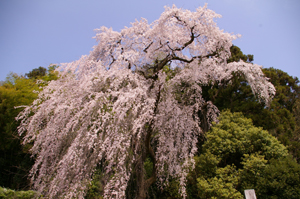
(237, 55)
(278, 118)
(117, 107)
(36, 73)
(295, 141)
(238, 156)
(15, 161)
(279, 179)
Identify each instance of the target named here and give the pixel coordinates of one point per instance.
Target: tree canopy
(17, 91)
(237, 156)
(37, 72)
(118, 106)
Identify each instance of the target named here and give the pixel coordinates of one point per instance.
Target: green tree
(295, 141)
(237, 55)
(36, 73)
(278, 118)
(15, 162)
(234, 154)
(278, 179)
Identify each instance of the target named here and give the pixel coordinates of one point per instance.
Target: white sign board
(250, 194)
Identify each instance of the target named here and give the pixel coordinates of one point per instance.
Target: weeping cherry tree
(137, 95)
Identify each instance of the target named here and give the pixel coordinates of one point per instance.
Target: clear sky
(37, 33)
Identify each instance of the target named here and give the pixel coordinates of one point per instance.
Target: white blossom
(105, 105)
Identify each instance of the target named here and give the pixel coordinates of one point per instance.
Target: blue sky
(37, 33)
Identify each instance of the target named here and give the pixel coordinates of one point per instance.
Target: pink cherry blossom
(118, 105)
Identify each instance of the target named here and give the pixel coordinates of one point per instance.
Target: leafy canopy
(16, 91)
(116, 107)
(235, 157)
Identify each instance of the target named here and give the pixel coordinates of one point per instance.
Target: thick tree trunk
(144, 184)
(142, 191)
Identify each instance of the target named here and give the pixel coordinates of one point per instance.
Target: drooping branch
(105, 104)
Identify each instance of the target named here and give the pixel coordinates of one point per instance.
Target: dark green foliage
(287, 92)
(36, 73)
(295, 139)
(287, 87)
(170, 191)
(96, 188)
(237, 55)
(280, 179)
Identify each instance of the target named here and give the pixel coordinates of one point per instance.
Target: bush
(11, 194)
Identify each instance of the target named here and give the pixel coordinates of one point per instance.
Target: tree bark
(142, 183)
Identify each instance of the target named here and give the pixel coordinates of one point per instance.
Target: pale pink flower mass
(103, 105)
